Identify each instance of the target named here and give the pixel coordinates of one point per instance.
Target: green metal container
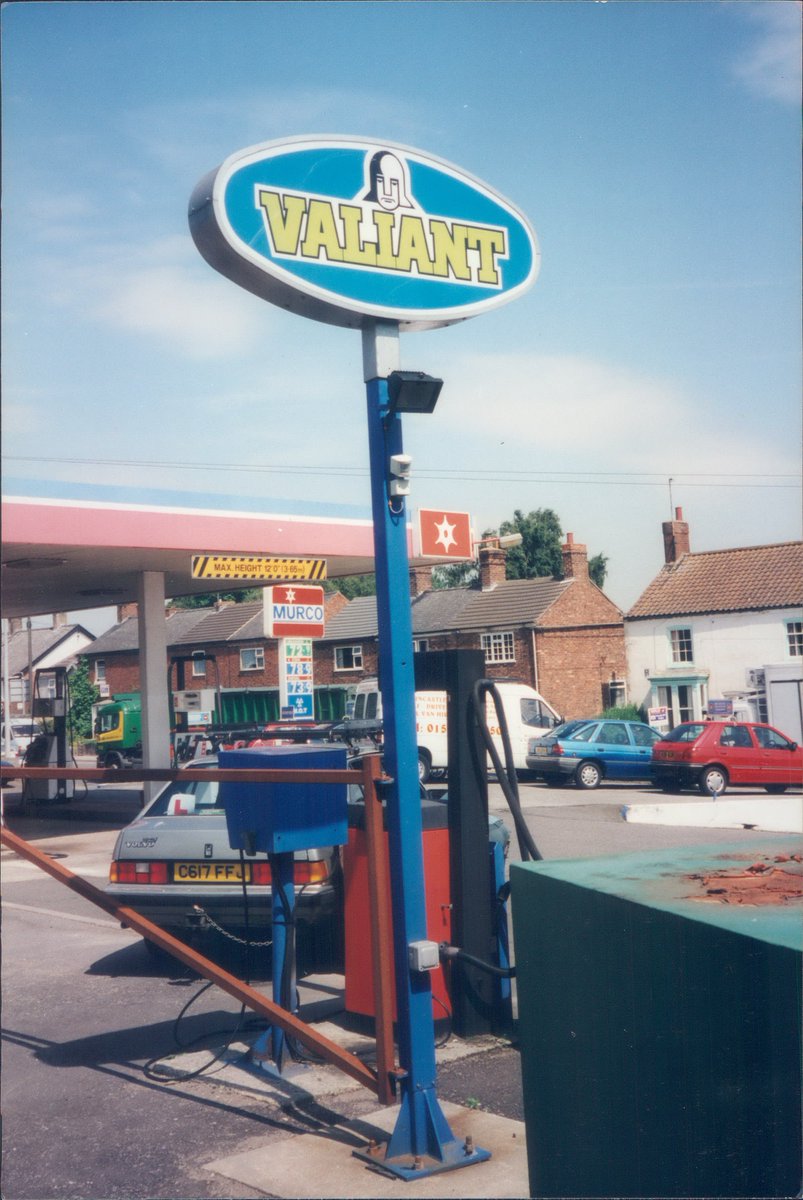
(660, 1022)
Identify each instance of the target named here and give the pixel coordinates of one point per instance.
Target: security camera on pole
(386, 239)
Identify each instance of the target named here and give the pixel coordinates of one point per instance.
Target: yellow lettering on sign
(450, 250)
(384, 223)
(413, 246)
(284, 223)
(314, 227)
(489, 242)
(354, 249)
(321, 232)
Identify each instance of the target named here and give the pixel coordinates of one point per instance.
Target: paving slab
(322, 1164)
(776, 814)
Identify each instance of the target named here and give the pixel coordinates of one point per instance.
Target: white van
(527, 712)
(24, 731)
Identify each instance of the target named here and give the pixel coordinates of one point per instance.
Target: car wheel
(587, 775)
(713, 779)
(424, 766)
(775, 789)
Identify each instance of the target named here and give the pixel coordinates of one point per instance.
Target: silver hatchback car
(174, 865)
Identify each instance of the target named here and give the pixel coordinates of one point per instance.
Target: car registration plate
(541, 750)
(210, 872)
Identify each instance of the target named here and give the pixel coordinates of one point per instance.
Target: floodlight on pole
(412, 392)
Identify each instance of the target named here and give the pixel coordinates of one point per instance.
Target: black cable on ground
(150, 1069)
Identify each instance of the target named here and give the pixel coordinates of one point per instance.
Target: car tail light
(303, 873)
(311, 872)
(556, 748)
(138, 872)
(260, 873)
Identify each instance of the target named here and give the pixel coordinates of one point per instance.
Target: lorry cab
(118, 731)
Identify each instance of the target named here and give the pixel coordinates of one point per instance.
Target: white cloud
(22, 412)
(174, 306)
(161, 291)
(568, 412)
(770, 64)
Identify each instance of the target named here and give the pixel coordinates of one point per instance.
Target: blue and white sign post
(381, 238)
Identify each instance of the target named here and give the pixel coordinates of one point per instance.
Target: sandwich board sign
(340, 228)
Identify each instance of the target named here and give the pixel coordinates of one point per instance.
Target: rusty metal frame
(382, 1080)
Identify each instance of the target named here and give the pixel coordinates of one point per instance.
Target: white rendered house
(720, 631)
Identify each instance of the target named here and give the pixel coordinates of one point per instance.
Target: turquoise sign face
(344, 230)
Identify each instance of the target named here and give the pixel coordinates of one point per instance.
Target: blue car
(595, 751)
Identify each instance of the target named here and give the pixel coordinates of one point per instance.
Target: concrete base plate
(323, 1164)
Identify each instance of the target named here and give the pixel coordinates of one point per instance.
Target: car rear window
(583, 734)
(204, 799)
(686, 733)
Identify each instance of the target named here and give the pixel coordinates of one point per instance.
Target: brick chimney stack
(420, 580)
(575, 558)
(492, 566)
(676, 537)
(126, 610)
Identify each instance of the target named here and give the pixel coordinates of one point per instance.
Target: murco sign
(291, 611)
(340, 229)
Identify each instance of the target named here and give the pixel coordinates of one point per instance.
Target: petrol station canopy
(67, 547)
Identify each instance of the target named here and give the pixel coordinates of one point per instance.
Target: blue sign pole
(422, 1141)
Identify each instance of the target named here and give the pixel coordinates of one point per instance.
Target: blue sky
(654, 147)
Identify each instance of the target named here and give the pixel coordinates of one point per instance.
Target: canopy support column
(153, 675)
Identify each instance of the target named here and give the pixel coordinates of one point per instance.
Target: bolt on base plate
(405, 1166)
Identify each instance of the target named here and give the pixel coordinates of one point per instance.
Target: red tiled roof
(750, 578)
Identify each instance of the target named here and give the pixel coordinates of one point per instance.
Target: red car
(713, 754)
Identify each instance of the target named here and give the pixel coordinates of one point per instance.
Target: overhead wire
(623, 478)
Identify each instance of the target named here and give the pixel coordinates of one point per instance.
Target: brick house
(562, 636)
(720, 626)
(223, 648)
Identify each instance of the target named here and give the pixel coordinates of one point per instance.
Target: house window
(794, 638)
(348, 658)
(420, 644)
(198, 662)
(680, 642)
(100, 670)
(498, 647)
(614, 693)
(252, 658)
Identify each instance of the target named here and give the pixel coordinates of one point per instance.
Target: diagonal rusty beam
(334, 1054)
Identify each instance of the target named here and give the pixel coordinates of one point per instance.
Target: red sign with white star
(292, 611)
(444, 534)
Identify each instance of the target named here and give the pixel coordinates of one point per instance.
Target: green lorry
(118, 721)
(118, 731)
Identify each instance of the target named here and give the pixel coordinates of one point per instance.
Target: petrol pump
(278, 819)
(50, 749)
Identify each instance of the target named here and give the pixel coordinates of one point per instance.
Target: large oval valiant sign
(340, 230)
